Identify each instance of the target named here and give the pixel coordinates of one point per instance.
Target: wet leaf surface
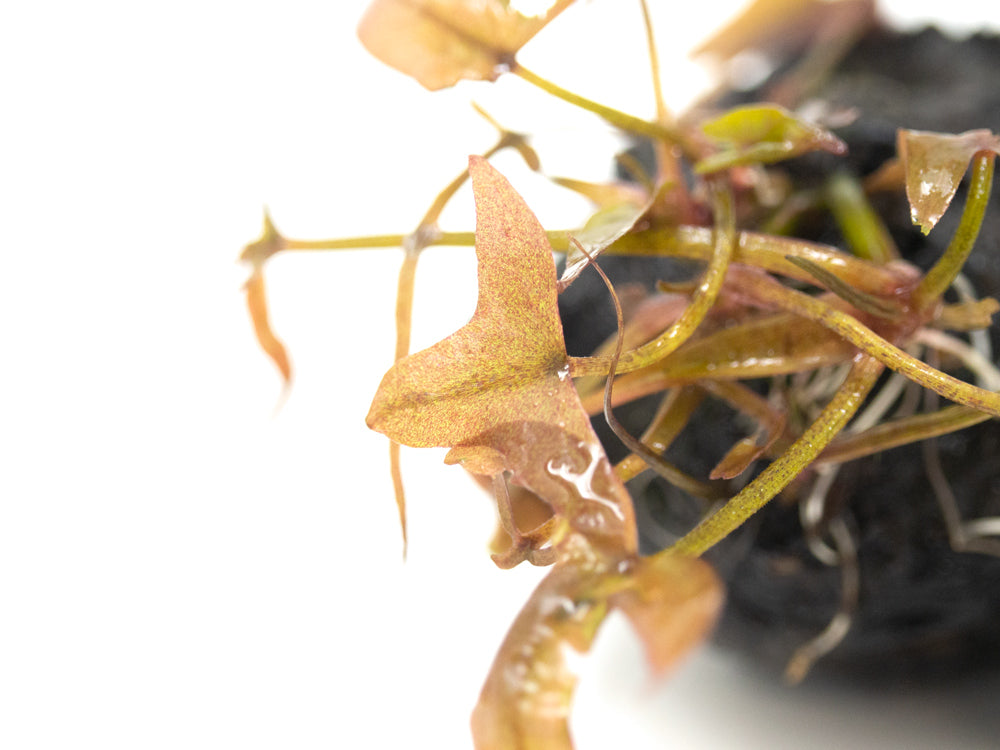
(934, 165)
(671, 601)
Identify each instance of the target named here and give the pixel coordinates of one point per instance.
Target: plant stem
(765, 251)
(864, 230)
(621, 120)
(869, 303)
(662, 113)
(701, 302)
(671, 416)
(770, 292)
(558, 239)
(899, 432)
(776, 477)
(948, 266)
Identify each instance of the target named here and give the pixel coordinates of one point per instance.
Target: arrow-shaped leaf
(498, 390)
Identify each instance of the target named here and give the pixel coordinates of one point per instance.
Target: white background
(179, 565)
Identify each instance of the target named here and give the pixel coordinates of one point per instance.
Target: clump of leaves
(514, 408)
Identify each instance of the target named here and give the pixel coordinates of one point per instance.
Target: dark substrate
(924, 608)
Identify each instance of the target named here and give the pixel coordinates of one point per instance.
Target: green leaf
(621, 206)
(601, 230)
(934, 164)
(763, 134)
(441, 42)
(498, 391)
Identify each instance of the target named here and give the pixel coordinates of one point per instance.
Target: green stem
(943, 273)
(869, 303)
(701, 302)
(777, 476)
(662, 113)
(621, 120)
(899, 432)
(558, 239)
(763, 251)
(861, 226)
(375, 240)
(434, 212)
(770, 292)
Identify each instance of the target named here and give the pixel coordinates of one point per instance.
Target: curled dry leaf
(790, 25)
(441, 42)
(272, 346)
(671, 601)
(934, 164)
(256, 254)
(497, 391)
(763, 134)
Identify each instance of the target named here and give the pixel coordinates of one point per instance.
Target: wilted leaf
(737, 459)
(787, 24)
(256, 254)
(934, 164)
(498, 390)
(440, 42)
(771, 422)
(763, 134)
(671, 601)
(272, 346)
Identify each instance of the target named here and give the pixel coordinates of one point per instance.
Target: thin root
(847, 558)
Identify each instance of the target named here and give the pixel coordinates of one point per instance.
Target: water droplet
(583, 482)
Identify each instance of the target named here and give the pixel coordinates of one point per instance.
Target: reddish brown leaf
(671, 601)
(934, 164)
(498, 391)
(440, 42)
(255, 255)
